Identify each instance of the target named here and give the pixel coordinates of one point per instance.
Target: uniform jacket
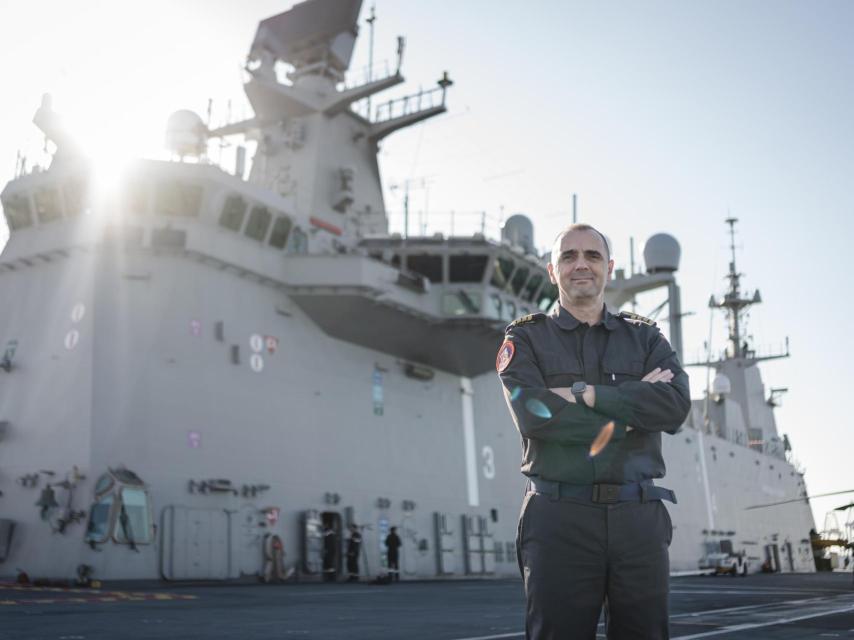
(555, 351)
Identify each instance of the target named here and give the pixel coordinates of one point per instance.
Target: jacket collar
(565, 320)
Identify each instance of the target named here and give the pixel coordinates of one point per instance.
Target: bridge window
(259, 222)
(17, 210)
(176, 198)
(462, 302)
(281, 231)
(547, 297)
(133, 524)
(427, 264)
(299, 241)
(100, 519)
(465, 268)
(76, 194)
(233, 212)
(510, 310)
(531, 287)
(519, 279)
(501, 270)
(47, 203)
(168, 238)
(494, 306)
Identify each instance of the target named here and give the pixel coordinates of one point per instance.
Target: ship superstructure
(202, 358)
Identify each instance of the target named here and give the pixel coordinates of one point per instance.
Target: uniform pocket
(667, 521)
(560, 371)
(520, 532)
(618, 370)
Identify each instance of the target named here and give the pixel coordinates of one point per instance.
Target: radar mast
(735, 303)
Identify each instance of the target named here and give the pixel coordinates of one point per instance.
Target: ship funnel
(518, 230)
(661, 254)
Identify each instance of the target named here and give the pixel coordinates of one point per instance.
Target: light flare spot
(602, 439)
(538, 408)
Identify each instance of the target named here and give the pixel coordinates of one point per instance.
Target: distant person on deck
(392, 543)
(354, 546)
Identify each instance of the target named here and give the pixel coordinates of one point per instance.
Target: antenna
(370, 22)
(731, 222)
(631, 254)
(574, 210)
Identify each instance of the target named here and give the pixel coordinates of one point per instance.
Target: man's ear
(610, 269)
(551, 269)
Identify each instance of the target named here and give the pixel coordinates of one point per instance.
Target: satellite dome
(661, 253)
(721, 385)
(519, 230)
(186, 133)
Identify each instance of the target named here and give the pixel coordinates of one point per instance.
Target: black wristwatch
(578, 389)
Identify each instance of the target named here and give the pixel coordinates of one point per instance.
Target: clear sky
(661, 116)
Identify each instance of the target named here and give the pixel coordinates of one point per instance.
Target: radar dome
(519, 230)
(661, 253)
(721, 385)
(186, 133)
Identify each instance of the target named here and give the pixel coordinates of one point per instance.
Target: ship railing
(769, 352)
(366, 74)
(702, 357)
(408, 105)
(423, 223)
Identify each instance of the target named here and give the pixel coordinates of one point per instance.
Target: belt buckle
(606, 493)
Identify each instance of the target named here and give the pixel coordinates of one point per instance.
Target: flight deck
(819, 605)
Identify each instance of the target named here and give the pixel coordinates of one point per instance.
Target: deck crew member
(354, 546)
(330, 553)
(392, 544)
(591, 393)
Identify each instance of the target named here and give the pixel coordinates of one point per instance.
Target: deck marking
(758, 625)
(518, 634)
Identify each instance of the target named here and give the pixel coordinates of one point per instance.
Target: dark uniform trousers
(576, 557)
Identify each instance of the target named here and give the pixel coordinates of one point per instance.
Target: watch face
(578, 387)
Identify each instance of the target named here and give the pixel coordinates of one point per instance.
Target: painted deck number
(488, 462)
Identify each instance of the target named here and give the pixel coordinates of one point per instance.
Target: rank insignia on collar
(635, 318)
(505, 355)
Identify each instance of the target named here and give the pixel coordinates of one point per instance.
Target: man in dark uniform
(330, 553)
(354, 545)
(392, 544)
(591, 393)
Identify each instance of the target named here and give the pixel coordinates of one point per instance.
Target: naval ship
(208, 358)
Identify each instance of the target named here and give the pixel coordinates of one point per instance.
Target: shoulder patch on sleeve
(505, 355)
(531, 317)
(635, 318)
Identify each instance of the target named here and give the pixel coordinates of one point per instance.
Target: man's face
(582, 268)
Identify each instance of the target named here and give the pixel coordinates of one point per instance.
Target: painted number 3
(488, 463)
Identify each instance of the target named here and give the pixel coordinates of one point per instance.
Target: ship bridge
(438, 301)
(309, 218)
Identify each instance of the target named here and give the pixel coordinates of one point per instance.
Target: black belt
(602, 493)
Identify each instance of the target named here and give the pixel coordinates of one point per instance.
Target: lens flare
(538, 408)
(514, 395)
(602, 439)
